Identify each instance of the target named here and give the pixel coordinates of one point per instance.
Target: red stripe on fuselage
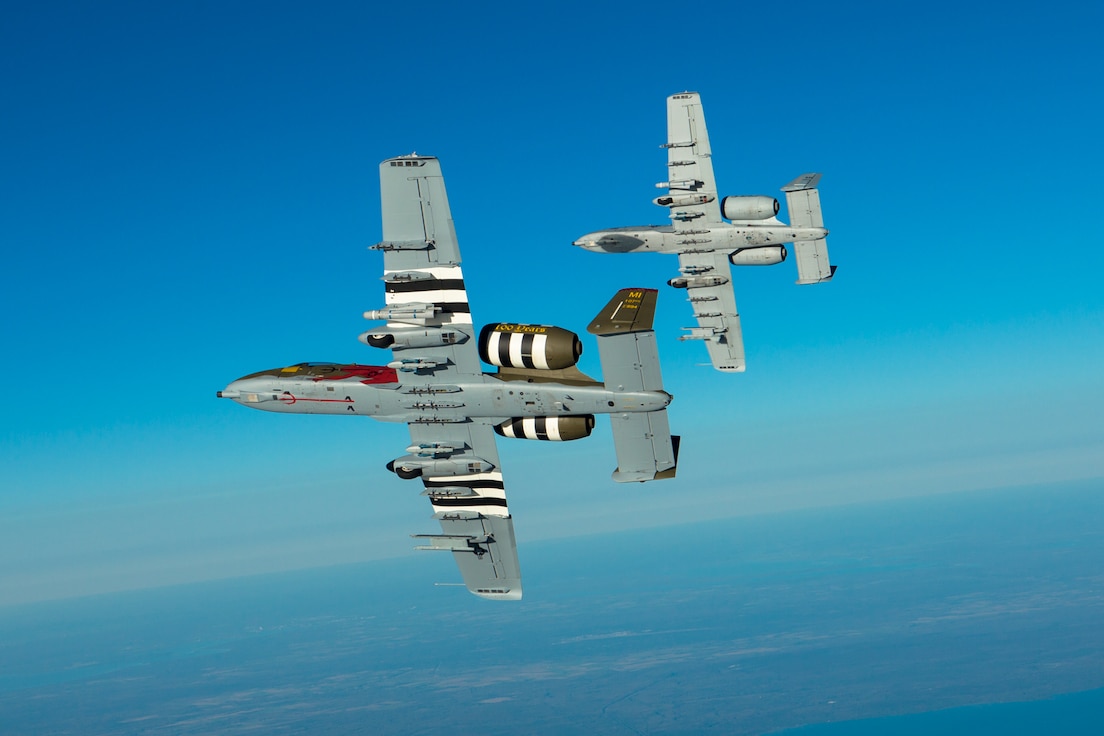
(368, 374)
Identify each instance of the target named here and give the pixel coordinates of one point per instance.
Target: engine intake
(757, 207)
(529, 346)
(557, 429)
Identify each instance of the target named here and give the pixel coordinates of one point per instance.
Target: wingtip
(410, 159)
(511, 594)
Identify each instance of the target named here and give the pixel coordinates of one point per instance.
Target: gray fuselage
(723, 236)
(381, 393)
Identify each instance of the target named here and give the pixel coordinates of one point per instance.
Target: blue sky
(186, 194)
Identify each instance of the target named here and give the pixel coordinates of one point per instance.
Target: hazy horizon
(958, 612)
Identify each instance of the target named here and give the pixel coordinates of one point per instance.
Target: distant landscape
(748, 625)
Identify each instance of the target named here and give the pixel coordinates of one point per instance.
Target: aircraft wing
(421, 261)
(714, 304)
(689, 164)
(690, 179)
(475, 522)
(426, 300)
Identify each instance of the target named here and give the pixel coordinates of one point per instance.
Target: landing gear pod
(557, 429)
(683, 200)
(412, 466)
(529, 346)
(412, 338)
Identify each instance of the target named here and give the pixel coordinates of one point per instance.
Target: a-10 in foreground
(436, 385)
(706, 244)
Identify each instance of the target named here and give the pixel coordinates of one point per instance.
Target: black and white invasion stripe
(489, 494)
(530, 428)
(517, 349)
(443, 287)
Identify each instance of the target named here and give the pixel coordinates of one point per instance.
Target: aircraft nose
(610, 242)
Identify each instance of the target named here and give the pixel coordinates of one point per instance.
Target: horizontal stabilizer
(812, 262)
(645, 448)
(630, 363)
(626, 342)
(803, 203)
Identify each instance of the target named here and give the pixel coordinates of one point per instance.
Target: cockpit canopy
(331, 372)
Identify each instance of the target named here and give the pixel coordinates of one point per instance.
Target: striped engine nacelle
(529, 346)
(558, 429)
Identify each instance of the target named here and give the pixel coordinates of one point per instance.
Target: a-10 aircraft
(706, 244)
(453, 409)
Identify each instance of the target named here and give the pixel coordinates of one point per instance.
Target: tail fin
(803, 203)
(630, 362)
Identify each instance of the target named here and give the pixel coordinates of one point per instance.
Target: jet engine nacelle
(412, 466)
(758, 207)
(529, 346)
(559, 429)
(412, 338)
(767, 256)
